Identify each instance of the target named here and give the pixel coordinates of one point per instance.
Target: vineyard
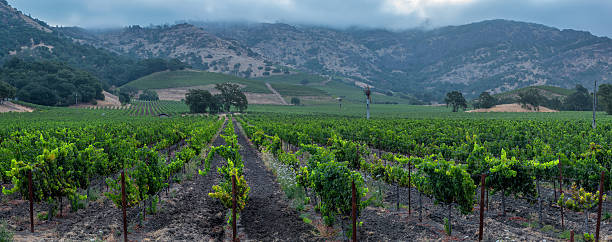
(299, 177)
(533, 169)
(148, 108)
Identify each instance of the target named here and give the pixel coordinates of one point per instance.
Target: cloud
(589, 15)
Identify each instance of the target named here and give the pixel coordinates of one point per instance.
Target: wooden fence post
(482, 193)
(123, 205)
(601, 184)
(31, 201)
(409, 186)
(354, 211)
(560, 193)
(234, 234)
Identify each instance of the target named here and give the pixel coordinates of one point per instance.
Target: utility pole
(75, 98)
(594, 103)
(367, 93)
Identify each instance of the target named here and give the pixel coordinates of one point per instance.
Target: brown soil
(511, 108)
(12, 107)
(267, 216)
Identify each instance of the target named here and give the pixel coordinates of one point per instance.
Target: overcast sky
(594, 16)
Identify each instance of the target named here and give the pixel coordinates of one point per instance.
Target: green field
(297, 90)
(419, 112)
(312, 80)
(334, 88)
(188, 78)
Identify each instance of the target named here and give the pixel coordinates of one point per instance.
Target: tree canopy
(126, 94)
(531, 99)
(580, 100)
(232, 96)
(200, 101)
(604, 97)
(148, 95)
(456, 100)
(295, 101)
(50, 83)
(485, 100)
(6, 91)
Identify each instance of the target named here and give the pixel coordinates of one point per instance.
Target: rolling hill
(172, 85)
(546, 91)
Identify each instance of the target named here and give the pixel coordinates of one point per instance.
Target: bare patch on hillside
(11, 107)
(178, 94)
(512, 108)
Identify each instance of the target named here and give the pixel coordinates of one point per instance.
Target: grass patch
(305, 218)
(422, 112)
(299, 78)
(5, 233)
(297, 90)
(548, 228)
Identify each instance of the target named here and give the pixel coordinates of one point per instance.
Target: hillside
(191, 78)
(496, 55)
(172, 85)
(546, 91)
(185, 42)
(31, 39)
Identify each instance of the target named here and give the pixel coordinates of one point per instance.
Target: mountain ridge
(493, 55)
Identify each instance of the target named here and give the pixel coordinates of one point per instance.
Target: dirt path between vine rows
(267, 216)
(188, 213)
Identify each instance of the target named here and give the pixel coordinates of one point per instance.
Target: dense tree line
(202, 101)
(50, 83)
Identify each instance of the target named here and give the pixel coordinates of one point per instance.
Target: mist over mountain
(493, 55)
